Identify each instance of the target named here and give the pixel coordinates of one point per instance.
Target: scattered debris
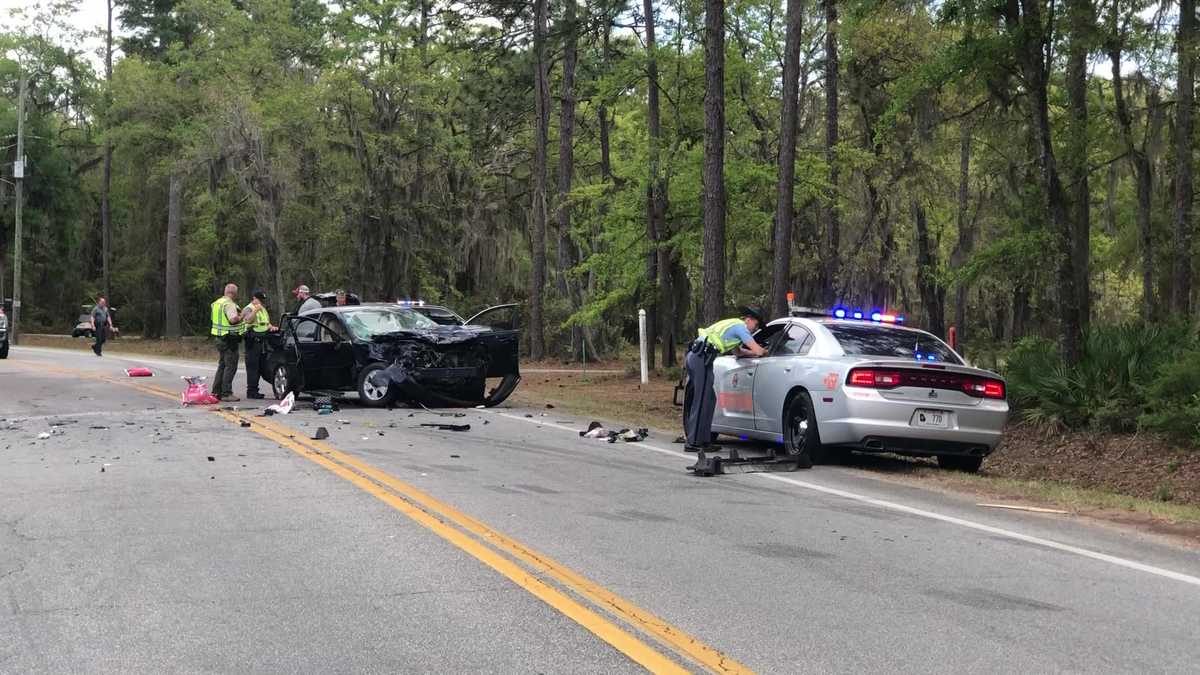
(196, 392)
(245, 424)
(44, 435)
(454, 457)
(549, 406)
(343, 421)
(449, 427)
(594, 430)
(1018, 507)
(98, 428)
(212, 459)
(320, 434)
(283, 407)
(680, 439)
(139, 372)
(528, 415)
(365, 438)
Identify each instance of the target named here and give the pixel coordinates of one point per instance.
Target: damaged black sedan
(391, 354)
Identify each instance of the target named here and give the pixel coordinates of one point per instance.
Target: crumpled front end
(448, 365)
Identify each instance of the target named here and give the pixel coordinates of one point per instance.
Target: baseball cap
(751, 311)
(302, 289)
(258, 293)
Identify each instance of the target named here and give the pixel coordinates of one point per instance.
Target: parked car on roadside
(3, 334)
(854, 380)
(83, 327)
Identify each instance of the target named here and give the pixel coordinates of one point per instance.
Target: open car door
(312, 354)
(505, 317)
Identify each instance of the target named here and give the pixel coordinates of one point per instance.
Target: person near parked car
(339, 298)
(228, 327)
(256, 340)
(307, 302)
(102, 325)
(723, 337)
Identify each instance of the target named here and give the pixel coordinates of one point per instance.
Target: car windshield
(371, 321)
(890, 342)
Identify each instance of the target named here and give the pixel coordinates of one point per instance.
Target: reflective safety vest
(220, 318)
(262, 320)
(715, 335)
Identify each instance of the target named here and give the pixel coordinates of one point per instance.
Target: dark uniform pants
(700, 401)
(227, 365)
(254, 354)
(101, 334)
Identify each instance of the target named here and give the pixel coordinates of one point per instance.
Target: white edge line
(893, 506)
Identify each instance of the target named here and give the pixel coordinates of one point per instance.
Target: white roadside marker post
(642, 344)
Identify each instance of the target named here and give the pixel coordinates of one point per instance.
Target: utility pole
(19, 177)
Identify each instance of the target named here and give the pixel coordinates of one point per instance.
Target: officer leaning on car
(723, 337)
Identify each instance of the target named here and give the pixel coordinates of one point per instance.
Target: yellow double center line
(457, 528)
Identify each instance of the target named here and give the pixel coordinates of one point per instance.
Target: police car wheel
(800, 434)
(281, 382)
(370, 392)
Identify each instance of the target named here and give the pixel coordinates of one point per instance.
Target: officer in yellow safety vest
(699, 401)
(228, 327)
(256, 340)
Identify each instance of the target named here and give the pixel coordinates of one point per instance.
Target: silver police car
(848, 380)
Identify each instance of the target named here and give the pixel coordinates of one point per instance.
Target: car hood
(441, 335)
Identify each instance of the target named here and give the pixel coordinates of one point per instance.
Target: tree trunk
(789, 116)
(655, 188)
(537, 233)
(966, 234)
(1030, 30)
(1181, 287)
(1141, 169)
(106, 178)
(714, 160)
(1081, 21)
(830, 254)
(933, 294)
(171, 280)
(566, 164)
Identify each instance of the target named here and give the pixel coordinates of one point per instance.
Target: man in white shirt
(307, 302)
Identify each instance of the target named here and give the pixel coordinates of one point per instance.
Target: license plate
(934, 419)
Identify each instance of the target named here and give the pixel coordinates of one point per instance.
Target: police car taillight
(984, 388)
(874, 378)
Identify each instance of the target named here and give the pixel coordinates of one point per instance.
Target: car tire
(370, 394)
(282, 382)
(801, 438)
(960, 463)
(501, 391)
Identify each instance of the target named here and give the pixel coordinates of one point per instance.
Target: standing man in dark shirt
(101, 324)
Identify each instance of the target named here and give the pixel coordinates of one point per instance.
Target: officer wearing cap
(258, 324)
(307, 302)
(723, 337)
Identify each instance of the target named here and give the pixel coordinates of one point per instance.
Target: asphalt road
(145, 537)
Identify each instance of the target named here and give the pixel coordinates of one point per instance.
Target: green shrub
(1171, 401)
(1127, 376)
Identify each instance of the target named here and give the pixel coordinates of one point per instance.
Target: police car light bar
(848, 314)
(411, 303)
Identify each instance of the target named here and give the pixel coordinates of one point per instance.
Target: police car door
(733, 380)
(783, 368)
